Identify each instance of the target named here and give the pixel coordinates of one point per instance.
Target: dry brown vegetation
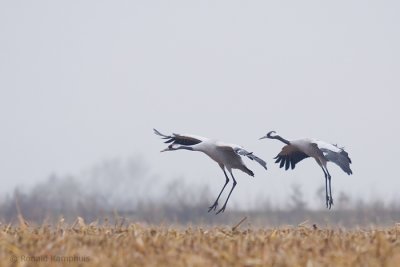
(83, 244)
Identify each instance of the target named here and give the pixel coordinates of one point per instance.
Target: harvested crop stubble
(143, 245)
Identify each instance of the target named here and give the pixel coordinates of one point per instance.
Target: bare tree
(297, 201)
(343, 201)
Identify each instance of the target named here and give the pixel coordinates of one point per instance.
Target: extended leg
(214, 206)
(330, 189)
(326, 187)
(233, 187)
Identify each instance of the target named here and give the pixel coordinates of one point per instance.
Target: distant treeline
(102, 196)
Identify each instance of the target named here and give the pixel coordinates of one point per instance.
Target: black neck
(269, 135)
(282, 140)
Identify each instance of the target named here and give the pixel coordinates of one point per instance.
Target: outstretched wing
(242, 152)
(185, 140)
(337, 155)
(290, 156)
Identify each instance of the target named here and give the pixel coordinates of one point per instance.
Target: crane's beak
(263, 137)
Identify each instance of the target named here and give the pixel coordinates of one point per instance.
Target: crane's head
(269, 135)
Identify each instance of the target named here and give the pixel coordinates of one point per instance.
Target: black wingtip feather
(169, 141)
(282, 162)
(163, 136)
(292, 163)
(287, 164)
(290, 160)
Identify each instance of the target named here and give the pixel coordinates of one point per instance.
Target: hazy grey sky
(83, 81)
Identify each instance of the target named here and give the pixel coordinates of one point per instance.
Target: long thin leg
(326, 187)
(214, 206)
(330, 190)
(233, 187)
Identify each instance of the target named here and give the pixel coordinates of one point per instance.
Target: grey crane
(297, 150)
(228, 156)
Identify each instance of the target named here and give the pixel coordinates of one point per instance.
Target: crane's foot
(213, 207)
(221, 210)
(329, 202)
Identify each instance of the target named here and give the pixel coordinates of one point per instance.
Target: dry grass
(143, 245)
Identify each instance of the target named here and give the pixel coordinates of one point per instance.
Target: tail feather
(341, 159)
(247, 170)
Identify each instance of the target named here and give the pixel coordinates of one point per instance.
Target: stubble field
(145, 245)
